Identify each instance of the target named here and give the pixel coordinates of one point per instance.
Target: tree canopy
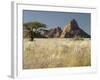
(32, 29)
(34, 25)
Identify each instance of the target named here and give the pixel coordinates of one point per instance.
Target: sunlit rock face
(72, 30)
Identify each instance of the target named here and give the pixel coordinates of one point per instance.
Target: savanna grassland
(56, 52)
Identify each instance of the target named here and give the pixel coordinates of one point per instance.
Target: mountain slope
(72, 30)
(53, 33)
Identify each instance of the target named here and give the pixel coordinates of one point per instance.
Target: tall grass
(51, 53)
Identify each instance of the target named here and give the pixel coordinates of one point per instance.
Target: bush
(78, 38)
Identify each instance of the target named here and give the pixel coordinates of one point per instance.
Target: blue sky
(54, 19)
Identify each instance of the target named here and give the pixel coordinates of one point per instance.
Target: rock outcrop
(53, 33)
(72, 30)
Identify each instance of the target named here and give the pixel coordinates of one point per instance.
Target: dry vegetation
(51, 53)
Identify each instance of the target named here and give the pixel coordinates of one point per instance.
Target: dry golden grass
(51, 53)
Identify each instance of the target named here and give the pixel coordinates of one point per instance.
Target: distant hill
(53, 33)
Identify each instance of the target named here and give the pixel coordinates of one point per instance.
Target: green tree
(33, 27)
